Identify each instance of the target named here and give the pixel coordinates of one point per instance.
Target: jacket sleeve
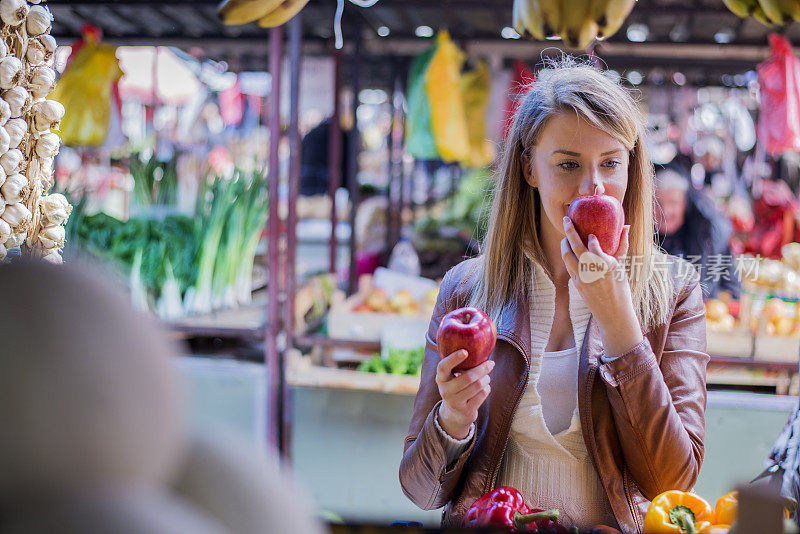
(425, 475)
(659, 409)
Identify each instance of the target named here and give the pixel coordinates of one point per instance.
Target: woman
(597, 394)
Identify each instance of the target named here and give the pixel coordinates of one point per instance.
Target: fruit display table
(302, 374)
(348, 432)
(760, 363)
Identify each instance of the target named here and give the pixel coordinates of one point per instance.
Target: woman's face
(572, 159)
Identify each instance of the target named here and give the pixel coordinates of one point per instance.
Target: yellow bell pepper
(727, 507)
(677, 512)
(716, 529)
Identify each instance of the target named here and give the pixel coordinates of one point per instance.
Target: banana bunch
(576, 22)
(267, 13)
(766, 11)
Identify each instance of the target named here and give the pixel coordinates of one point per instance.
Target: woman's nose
(592, 184)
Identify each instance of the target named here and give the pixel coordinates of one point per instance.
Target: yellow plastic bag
(475, 94)
(85, 91)
(443, 85)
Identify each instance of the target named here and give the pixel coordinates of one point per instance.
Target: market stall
(342, 351)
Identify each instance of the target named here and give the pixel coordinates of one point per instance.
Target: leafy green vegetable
(206, 260)
(467, 211)
(398, 362)
(154, 182)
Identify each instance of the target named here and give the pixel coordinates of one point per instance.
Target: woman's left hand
(602, 281)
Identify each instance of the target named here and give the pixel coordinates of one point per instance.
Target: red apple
(470, 329)
(601, 215)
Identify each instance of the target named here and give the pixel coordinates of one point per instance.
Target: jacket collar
(514, 322)
(514, 325)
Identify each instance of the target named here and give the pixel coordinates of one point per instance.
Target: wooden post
(272, 359)
(335, 155)
(352, 162)
(295, 43)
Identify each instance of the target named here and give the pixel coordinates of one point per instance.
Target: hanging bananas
(610, 15)
(577, 22)
(781, 11)
(282, 14)
(578, 28)
(766, 11)
(234, 12)
(527, 20)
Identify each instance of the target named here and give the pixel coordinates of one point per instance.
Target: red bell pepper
(505, 507)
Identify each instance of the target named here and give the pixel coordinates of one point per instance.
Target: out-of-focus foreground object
(92, 435)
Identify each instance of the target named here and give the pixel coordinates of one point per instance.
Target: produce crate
(345, 323)
(777, 348)
(735, 344)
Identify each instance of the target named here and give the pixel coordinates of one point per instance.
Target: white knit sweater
(551, 471)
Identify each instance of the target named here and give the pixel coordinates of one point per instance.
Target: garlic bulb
(19, 100)
(47, 115)
(13, 12)
(53, 236)
(47, 145)
(3, 252)
(3, 205)
(42, 81)
(16, 128)
(17, 216)
(41, 50)
(16, 239)
(55, 208)
(5, 140)
(15, 189)
(11, 160)
(49, 44)
(46, 167)
(35, 53)
(5, 112)
(2, 177)
(5, 231)
(39, 20)
(10, 72)
(53, 257)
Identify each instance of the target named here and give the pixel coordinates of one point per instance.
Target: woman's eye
(568, 165)
(612, 164)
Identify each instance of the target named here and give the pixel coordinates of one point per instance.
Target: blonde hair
(512, 239)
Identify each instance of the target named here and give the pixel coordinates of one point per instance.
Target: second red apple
(469, 329)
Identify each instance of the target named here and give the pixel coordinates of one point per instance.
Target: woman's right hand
(462, 393)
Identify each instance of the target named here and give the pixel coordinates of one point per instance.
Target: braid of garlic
(36, 219)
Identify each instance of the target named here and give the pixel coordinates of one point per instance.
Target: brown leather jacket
(642, 414)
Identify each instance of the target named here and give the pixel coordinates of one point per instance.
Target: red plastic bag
(523, 77)
(779, 80)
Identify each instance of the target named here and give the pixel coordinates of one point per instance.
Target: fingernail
(592, 237)
(491, 364)
(464, 353)
(566, 220)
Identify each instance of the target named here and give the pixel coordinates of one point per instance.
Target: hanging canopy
(155, 75)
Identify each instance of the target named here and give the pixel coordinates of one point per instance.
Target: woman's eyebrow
(575, 154)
